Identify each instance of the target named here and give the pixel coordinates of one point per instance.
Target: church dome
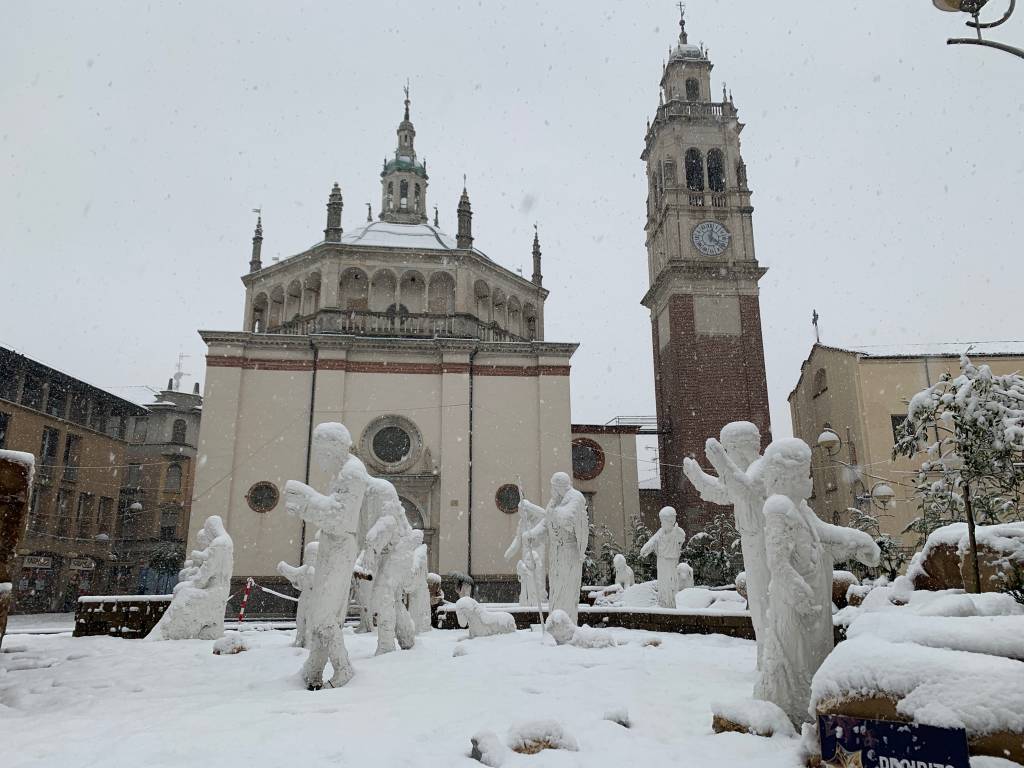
(404, 163)
(686, 51)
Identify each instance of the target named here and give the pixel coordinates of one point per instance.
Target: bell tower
(403, 179)
(703, 296)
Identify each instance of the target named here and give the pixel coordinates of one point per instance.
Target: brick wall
(702, 382)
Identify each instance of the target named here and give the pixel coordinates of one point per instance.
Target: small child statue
(667, 542)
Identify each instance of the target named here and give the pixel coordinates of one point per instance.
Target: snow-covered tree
(597, 566)
(971, 428)
(714, 553)
(892, 557)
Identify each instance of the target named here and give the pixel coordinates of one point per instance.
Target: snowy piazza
(542, 454)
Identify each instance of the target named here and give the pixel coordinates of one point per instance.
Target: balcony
(425, 325)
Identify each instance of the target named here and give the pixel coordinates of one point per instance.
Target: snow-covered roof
(687, 51)
(138, 394)
(388, 235)
(940, 349)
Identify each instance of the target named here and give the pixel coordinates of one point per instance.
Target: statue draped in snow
(197, 608)
(800, 549)
(684, 576)
(482, 622)
(737, 462)
(362, 588)
(623, 573)
(336, 514)
(565, 523)
(419, 590)
(532, 555)
(301, 578)
(667, 542)
(390, 543)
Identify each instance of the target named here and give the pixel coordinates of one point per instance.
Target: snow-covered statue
(736, 459)
(196, 611)
(800, 549)
(623, 573)
(362, 591)
(419, 589)
(482, 622)
(532, 554)
(390, 543)
(190, 567)
(684, 576)
(336, 514)
(565, 523)
(667, 542)
(301, 578)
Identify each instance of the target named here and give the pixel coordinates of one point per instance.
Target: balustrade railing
(428, 325)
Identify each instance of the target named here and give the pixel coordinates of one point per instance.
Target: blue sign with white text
(853, 742)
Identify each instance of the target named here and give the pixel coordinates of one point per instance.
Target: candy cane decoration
(245, 598)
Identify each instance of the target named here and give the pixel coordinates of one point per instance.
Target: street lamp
(830, 440)
(973, 7)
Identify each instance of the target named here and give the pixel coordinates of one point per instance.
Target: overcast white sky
(136, 138)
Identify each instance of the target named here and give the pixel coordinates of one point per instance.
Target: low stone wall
(128, 616)
(654, 620)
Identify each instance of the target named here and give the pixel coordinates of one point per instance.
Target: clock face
(711, 238)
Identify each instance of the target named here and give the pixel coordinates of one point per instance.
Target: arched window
(694, 170)
(172, 480)
(403, 195)
(716, 170)
(391, 195)
(692, 90)
(179, 431)
(416, 197)
(670, 172)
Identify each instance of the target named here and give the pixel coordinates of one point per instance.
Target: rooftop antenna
(179, 372)
(814, 322)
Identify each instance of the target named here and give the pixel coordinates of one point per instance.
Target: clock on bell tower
(703, 296)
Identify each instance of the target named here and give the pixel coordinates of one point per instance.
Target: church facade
(430, 352)
(703, 297)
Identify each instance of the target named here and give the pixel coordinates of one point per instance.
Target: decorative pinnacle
(406, 98)
(259, 222)
(682, 23)
(436, 222)
(369, 213)
(463, 183)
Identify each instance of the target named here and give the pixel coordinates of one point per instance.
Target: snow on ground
(105, 701)
(20, 623)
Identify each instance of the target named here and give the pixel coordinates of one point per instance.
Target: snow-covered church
(432, 354)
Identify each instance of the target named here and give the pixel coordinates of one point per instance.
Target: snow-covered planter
(841, 583)
(937, 565)
(537, 735)
(870, 677)
(761, 718)
(1000, 557)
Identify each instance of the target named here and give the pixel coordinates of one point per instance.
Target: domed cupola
(404, 178)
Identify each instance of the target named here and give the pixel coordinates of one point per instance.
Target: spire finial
(682, 23)
(463, 183)
(255, 262)
(406, 89)
(369, 213)
(538, 278)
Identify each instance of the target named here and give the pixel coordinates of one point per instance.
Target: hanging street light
(973, 8)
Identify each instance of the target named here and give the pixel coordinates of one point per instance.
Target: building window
(391, 443)
(391, 195)
(134, 475)
(105, 519)
(507, 498)
(172, 480)
(63, 512)
(169, 523)
(694, 170)
(716, 170)
(263, 496)
(97, 418)
(5, 422)
(79, 407)
(587, 459)
(72, 457)
(9, 383)
(820, 381)
(83, 514)
(48, 447)
(36, 524)
(57, 401)
(403, 195)
(692, 90)
(416, 196)
(141, 427)
(32, 392)
(179, 432)
(897, 422)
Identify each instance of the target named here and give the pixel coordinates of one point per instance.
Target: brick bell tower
(703, 297)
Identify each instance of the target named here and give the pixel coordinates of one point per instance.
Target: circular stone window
(507, 498)
(391, 443)
(587, 459)
(263, 496)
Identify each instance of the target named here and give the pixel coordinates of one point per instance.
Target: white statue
(390, 543)
(362, 588)
(196, 611)
(800, 549)
(684, 576)
(736, 459)
(623, 573)
(560, 626)
(568, 531)
(337, 515)
(301, 578)
(532, 554)
(482, 622)
(419, 590)
(667, 542)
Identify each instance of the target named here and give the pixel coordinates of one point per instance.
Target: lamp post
(881, 494)
(973, 8)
